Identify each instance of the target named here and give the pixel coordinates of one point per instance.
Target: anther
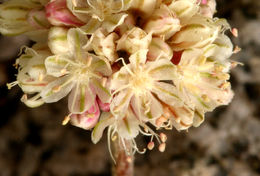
(89, 61)
(129, 159)
(224, 85)
(237, 49)
(56, 89)
(234, 31)
(160, 121)
(63, 71)
(146, 129)
(66, 120)
(223, 76)
(163, 137)
(205, 98)
(166, 112)
(150, 145)
(114, 138)
(24, 98)
(219, 68)
(40, 78)
(12, 84)
(162, 147)
(104, 82)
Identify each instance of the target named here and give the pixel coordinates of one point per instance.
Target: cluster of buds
(132, 66)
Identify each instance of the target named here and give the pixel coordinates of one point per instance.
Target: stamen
(123, 61)
(41, 76)
(160, 121)
(114, 138)
(234, 31)
(162, 147)
(66, 120)
(109, 144)
(223, 76)
(129, 159)
(166, 112)
(205, 98)
(89, 61)
(24, 98)
(56, 89)
(163, 137)
(12, 84)
(104, 81)
(225, 85)
(63, 71)
(237, 49)
(234, 64)
(150, 145)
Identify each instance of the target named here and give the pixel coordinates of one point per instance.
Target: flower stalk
(124, 165)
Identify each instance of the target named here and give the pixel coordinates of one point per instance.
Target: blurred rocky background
(33, 142)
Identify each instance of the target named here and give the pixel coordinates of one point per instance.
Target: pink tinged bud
(103, 106)
(37, 19)
(59, 15)
(204, 2)
(88, 119)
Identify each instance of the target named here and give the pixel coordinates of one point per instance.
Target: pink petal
(103, 106)
(88, 119)
(58, 14)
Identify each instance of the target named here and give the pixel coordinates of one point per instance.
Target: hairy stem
(124, 162)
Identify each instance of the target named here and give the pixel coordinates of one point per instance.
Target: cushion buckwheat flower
(103, 44)
(23, 17)
(184, 9)
(78, 72)
(134, 40)
(131, 66)
(105, 14)
(134, 83)
(203, 82)
(32, 77)
(58, 14)
(163, 22)
(197, 33)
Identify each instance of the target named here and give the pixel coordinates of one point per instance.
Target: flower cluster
(132, 66)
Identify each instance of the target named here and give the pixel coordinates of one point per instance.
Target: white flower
(78, 72)
(23, 17)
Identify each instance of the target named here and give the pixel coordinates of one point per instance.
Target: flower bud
(196, 34)
(184, 9)
(59, 15)
(145, 7)
(57, 40)
(37, 19)
(163, 22)
(159, 48)
(13, 17)
(134, 40)
(208, 8)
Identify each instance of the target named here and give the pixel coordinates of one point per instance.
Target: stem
(124, 163)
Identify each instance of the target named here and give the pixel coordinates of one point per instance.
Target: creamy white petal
(57, 89)
(81, 99)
